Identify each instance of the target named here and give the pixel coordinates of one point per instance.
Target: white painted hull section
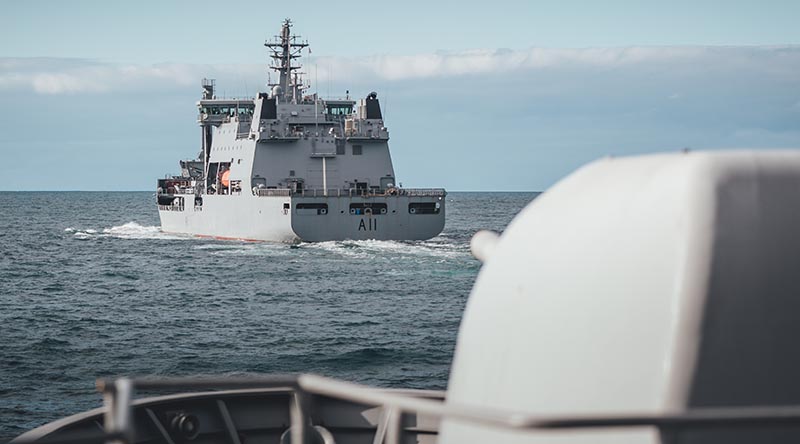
(232, 217)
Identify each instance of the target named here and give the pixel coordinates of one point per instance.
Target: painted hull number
(368, 225)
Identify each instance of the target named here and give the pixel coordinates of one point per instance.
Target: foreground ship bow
(285, 166)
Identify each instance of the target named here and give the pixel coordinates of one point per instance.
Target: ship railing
(361, 133)
(360, 192)
(423, 192)
(351, 192)
(272, 192)
(320, 192)
(170, 207)
(119, 427)
(187, 190)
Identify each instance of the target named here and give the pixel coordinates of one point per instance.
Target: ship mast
(285, 48)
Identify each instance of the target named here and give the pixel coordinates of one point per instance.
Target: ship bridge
(338, 109)
(217, 111)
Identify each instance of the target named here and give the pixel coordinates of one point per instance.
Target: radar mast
(285, 48)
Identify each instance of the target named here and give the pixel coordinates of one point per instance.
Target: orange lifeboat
(225, 178)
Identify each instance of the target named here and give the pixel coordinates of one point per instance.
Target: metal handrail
(171, 207)
(351, 192)
(118, 393)
(273, 192)
(423, 192)
(358, 192)
(519, 420)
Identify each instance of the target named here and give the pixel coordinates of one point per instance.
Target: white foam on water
(130, 230)
(337, 247)
(133, 230)
(219, 246)
(227, 247)
(366, 248)
(445, 251)
(348, 248)
(242, 248)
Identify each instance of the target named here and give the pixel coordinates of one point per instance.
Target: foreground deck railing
(118, 394)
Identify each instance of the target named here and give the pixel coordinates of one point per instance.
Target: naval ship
(288, 166)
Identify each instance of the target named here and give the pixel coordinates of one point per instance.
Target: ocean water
(89, 287)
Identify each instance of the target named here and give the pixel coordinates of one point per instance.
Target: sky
(500, 96)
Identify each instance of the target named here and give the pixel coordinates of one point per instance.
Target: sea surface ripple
(90, 287)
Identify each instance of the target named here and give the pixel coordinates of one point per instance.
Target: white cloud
(783, 59)
(57, 83)
(65, 76)
(548, 109)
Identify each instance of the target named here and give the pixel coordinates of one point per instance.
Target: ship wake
(366, 248)
(129, 230)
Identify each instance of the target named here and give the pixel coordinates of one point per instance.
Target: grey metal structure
(288, 166)
(303, 409)
(266, 409)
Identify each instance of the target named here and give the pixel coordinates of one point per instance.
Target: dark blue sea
(89, 287)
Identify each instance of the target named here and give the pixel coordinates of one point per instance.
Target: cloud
(648, 64)
(482, 119)
(68, 76)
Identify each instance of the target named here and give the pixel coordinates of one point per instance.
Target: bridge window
(339, 110)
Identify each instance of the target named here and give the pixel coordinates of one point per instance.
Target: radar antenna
(285, 48)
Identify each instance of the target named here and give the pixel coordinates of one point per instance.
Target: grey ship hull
(289, 218)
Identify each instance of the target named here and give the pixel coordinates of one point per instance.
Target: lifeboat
(225, 178)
